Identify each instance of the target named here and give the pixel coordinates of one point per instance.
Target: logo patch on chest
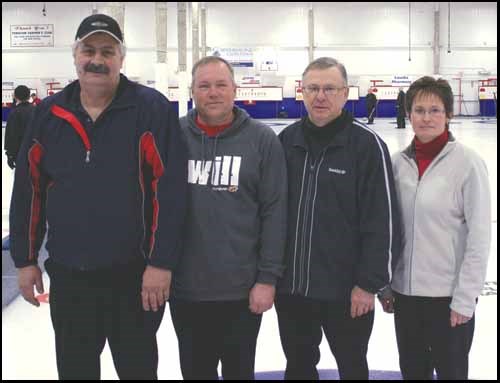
(337, 171)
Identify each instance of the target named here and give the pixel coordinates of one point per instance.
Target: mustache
(96, 68)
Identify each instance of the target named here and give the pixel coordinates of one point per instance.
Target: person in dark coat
(343, 229)
(19, 118)
(401, 111)
(102, 169)
(371, 104)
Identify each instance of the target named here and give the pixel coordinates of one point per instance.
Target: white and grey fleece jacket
(236, 221)
(446, 217)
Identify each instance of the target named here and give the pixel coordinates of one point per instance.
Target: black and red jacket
(110, 190)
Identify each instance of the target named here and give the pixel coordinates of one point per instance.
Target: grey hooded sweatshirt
(236, 222)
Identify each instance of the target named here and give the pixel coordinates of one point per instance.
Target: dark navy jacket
(110, 190)
(343, 223)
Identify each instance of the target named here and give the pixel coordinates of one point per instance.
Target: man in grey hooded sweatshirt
(235, 231)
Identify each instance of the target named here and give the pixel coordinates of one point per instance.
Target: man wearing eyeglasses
(342, 229)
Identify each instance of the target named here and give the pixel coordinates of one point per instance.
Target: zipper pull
(87, 159)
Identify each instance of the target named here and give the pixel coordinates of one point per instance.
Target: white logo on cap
(99, 24)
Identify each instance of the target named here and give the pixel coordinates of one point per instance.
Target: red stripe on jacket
(74, 122)
(34, 158)
(150, 156)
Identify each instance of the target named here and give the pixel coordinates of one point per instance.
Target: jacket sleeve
(10, 134)
(380, 230)
(27, 218)
(477, 214)
(165, 153)
(272, 194)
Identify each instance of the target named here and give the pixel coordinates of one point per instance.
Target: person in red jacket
(35, 100)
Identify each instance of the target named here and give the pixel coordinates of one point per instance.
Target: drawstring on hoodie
(203, 152)
(214, 153)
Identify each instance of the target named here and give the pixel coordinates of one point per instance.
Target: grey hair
(210, 60)
(326, 63)
(77, 43)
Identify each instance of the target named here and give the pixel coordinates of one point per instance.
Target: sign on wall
(403, 81)
(385, 92)
(487, 92)
(173, 94)
(353, 93)
(259, 94)
(250, 81)
(35, 35)
(237, 57)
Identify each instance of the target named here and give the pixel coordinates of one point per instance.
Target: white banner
(259, 94)
(37, 35)
(353, 93)
(237, 57)
(7, 96)
(173, 94)
(487, 92)
(402, 80)
(388, 92)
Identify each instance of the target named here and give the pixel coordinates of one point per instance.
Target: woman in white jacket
(444, 200)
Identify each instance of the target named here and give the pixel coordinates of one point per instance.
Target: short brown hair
(430, 86)
(209, 60)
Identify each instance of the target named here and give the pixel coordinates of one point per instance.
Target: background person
(401, 109)
(19, 118)
(35, 100)
(371, 105)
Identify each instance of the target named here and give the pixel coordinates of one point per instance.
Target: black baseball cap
(99, 23)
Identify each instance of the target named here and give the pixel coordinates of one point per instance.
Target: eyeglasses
(434, 112)
(327, 90)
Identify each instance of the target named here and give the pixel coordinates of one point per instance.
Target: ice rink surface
(28, 350)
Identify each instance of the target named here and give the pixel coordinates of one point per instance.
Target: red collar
(211, 131)
(431, 149)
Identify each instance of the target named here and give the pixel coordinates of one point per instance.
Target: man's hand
(11, 161)
(361, 302)
(457, 319)
(29, 277)
(155, 287)
(386, 299)
(261, 298)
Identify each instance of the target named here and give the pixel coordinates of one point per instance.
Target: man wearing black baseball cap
(108, 155)
(99, 23)
(99, 53)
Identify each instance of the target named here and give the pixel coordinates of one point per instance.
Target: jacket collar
(341, 138)
(124, 97)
